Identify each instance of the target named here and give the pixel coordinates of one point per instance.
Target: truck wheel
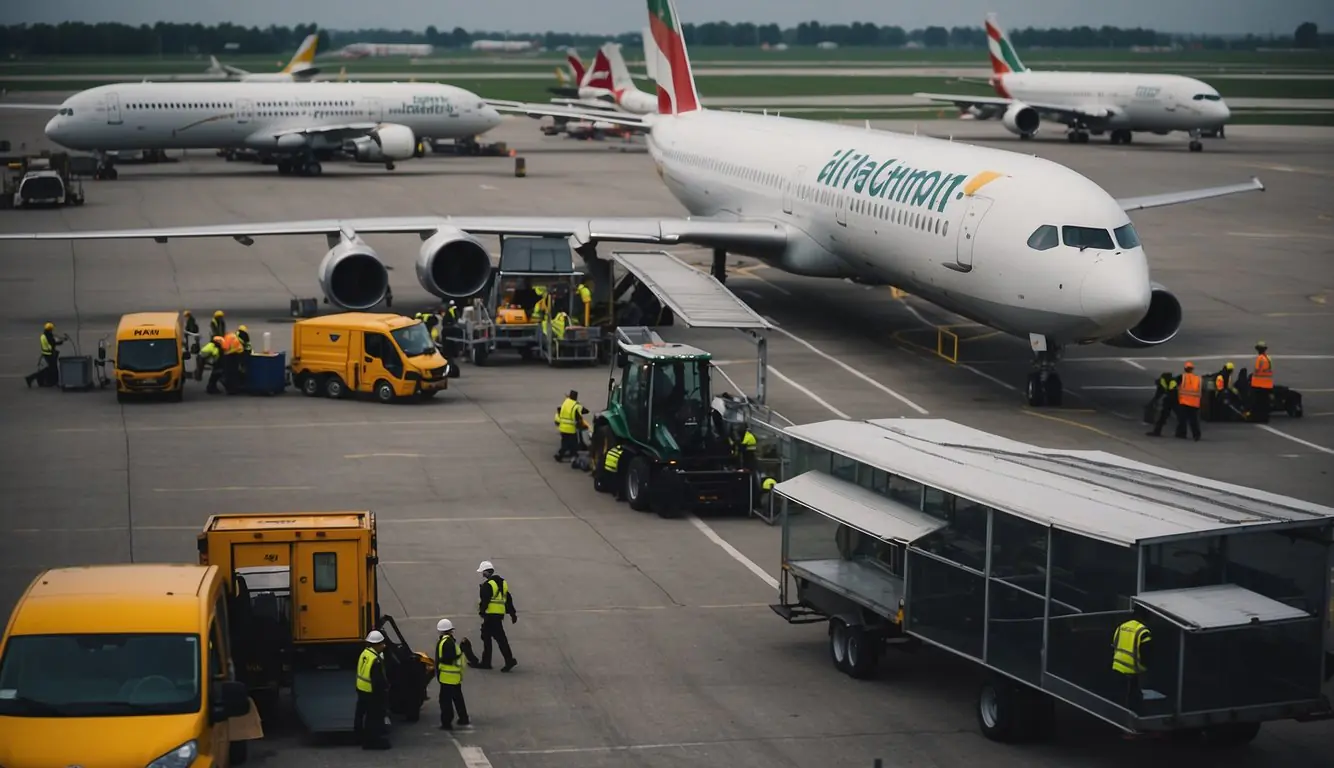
(997, 703)
(238, 752)
(863, 652)
(838, 644)
(309, 385)
(334, 388)
(637, 478)
(384, 392)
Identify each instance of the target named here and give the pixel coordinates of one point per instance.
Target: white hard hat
(375, 637)
(485, 566)
(444, 625)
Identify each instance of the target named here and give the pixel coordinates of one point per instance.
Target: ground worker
(586, 298)
(449, 669)
(558, 324)
(372, 689)
(1189, 390)
(209, 355)
(744, 448)
(1130, 644)
(495, 601)
(540, 308)
(1262, 382)
(232, 351)
(611, 467)
(449, 313)
(1164, 396)
(218, 325)
(567, 423)
(1221, 378)
(766, 492)
(191, 332)
(243, 333)
(47, 373)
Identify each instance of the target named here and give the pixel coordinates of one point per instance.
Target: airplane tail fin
(676, 82)
(305, 55)
(650, 58)
(1004, 59)
(598, 75)
(576, 66)
(620, 74)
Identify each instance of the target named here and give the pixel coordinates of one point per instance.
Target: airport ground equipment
(1243, 403)
(266, 373)
(304, 595)
(44, 180)
(81, 373)
(910, 532)
(386, 355)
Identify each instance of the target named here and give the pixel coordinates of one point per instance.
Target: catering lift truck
(304, 596)
(909, 532)
(677, 456)
(46, 180)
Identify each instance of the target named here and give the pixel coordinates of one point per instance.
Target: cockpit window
(1044, 238)
(1087, 237)
(1206, 97)
(1126, 236)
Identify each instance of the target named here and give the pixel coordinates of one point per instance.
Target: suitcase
(266, 374)
(76, 372)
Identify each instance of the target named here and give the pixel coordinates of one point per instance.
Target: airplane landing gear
(1077, 134)
(1044, 383)
(1195, 144)
(1121, 136)
(106, 169)
(719, 270)
(300, 165)
(389, 166)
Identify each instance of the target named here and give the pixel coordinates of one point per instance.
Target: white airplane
(607, 86)
(1019, 243)
(1091, 102)
(381, 50)
(299, 122)
(503, 46)
(301, 67)
(623, 89)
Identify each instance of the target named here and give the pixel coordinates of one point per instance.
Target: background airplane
(569, 76)
(301, 67)
(382, 50)
(504, 46)
(1009, 240)
(1118, 104)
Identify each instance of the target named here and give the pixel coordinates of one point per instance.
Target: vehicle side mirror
(230, 699)
(622, 360)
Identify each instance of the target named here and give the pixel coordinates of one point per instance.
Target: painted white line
(989, 377)
(803, 390)
(236, 489)
(1109, 386)
(852, 371)
(416, 520)
(1297, 440)
(473, 757)
(732, 362)
(778, 288)
(1068, 360)
(271, 425)
(1133, 364)
(731, 550)
(588, 750)
(383, 455)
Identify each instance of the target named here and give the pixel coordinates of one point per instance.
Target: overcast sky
(597, 16)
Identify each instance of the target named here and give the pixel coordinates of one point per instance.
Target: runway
(641, 641)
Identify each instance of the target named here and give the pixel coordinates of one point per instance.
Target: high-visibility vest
(586, 296)
(499, 594)
(449, 671)
(1263, 376)
(231, 345)
(566, 417)
(558, 325)
(48, 348)
(613, 459)
(217, 327)
(748, 442)
(209, 350)
(364, 665)
(1127, 643)
(768, 483)
(435, 334)
(1218, 382)
(1189, 394)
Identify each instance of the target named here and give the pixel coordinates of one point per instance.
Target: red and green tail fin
(676, 82)
(1004, 60)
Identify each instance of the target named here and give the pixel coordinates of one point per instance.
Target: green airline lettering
(895, 179)
(829, 167)
(838, 177)
(874, 188)
(862, 171)
(928, 185)
(949, 187)
(906, 191)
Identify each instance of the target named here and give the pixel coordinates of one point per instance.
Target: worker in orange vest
(1262, 382)
(1188, 402)
(232, 351)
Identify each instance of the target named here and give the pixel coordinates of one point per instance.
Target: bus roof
(379, 321)
(1093, 493)
(115, 599)
(283, 521)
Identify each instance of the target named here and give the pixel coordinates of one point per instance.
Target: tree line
(168, 39)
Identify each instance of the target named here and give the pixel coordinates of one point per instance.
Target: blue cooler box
(266, 374)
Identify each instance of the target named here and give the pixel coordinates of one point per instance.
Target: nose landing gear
(1044, 383)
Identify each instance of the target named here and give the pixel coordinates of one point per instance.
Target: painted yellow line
(1071, 423)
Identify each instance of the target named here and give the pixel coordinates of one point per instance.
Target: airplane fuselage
(133, 116)
(946, 221)
(1147, 102)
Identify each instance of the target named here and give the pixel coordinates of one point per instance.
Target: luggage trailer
(909, 532)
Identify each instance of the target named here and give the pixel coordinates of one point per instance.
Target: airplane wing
(590, 114)
(1092, 112)
(332, 132)
(1189, 196)
(711, 233)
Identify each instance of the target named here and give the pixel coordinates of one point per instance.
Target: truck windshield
(147, 355)
(42, 188)
(414, 340)
(681, 397)
(100, 675)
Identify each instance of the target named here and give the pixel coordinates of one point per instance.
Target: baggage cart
(266, 374)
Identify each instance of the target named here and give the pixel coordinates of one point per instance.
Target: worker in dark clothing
(47, 373)
(232, 356)
(495, 601)
(218, 325)
(1130, 658)
(1190, 388)
(191, 332)
(211, 355)
(449, 671)
(372, 691)
(1165, 397)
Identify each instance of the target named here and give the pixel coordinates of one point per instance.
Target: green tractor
(677, 453)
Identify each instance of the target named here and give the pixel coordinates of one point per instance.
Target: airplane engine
(352, 276)
(453, 265)
(1021, 120)
(1159, 325)
(386, 143)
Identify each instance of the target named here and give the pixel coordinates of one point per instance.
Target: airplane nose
(491, 117)
(1224, 113)
(53, 128)
(1116, 291)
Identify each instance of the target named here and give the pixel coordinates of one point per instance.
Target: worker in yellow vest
(558, 324)
(210, 356)
(494, 602)
(539, 312)
(47, 373)
(567, 424)
(449, 672)
(586, 298)
(372, 690)
(1130, 645)
(218, 325)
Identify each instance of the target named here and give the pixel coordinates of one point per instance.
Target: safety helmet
(375, 637)
(218, 313)
(242, 328)
(574, 394)
(49, 327)
(1190, 366)
(444, 625)
(185, 312)
(1261, 345)
(1229, 365)
(485, 566)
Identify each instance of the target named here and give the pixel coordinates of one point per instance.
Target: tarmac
(641, 641)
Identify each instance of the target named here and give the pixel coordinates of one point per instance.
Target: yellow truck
(122, 665)
(387, 355)
(304, 596)
(149, 356)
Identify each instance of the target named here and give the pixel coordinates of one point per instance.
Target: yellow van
(121, 665)
(148, 355)
(390, 356)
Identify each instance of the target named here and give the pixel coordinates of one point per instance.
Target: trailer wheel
(996, 705)
(863, 652)
(1230, 734)
(637, 478)
(838, 644)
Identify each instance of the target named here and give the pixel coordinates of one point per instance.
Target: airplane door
(790, 190)
(841, 209)
(245, 110)
(113, 109)
(1169, 100)
(972, 218)
(374, 109)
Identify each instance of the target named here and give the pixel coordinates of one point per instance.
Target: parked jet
(1091, 102)
(381, 50)
(300, 122)
(570, 76)
(1019, 243)
(301, 67)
